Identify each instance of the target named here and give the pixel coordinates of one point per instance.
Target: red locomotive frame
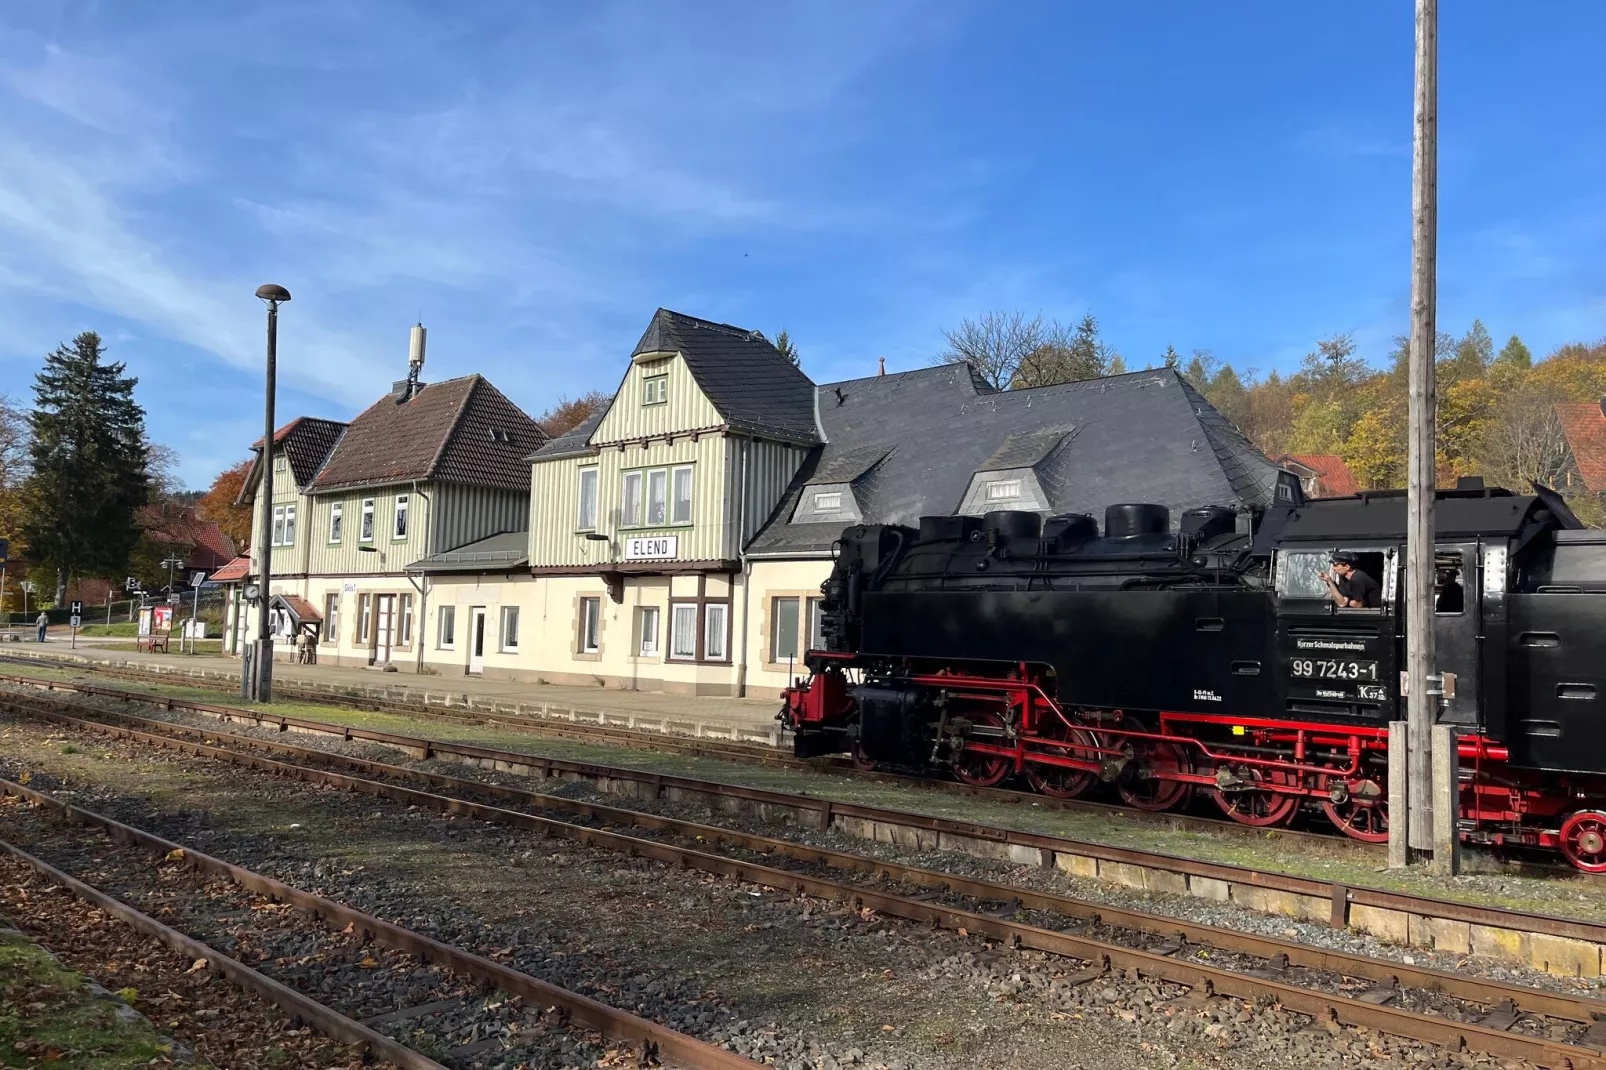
(1260, 771)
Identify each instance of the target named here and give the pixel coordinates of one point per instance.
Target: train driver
(1349, 587)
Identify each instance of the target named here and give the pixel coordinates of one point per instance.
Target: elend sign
(652, 548)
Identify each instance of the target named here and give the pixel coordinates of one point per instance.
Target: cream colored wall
(687, 407)
(768, 580)
(555, 503)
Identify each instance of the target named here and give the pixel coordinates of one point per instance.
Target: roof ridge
(723, 328)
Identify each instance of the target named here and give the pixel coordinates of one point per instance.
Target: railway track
(1395, 916)
(432, 996)
(722, 750)
(1453, 1010)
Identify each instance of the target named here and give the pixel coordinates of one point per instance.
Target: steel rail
(1138, 964)
(721, 750)
(326, 1020)
(674, 1047)
(1341, 896)
(1387, 972)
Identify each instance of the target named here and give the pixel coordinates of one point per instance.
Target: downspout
(741, 550)
(421, 585)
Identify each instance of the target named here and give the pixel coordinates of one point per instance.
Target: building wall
(346, 558)
(462, 514)
(769, 468)
(686, 407)
(555, 503)
(769, 580)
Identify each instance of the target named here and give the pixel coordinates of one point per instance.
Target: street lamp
(256, 680)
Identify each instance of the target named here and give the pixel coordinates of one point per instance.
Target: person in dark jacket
(1349, 587)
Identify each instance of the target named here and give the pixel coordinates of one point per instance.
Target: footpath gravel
(791, 981)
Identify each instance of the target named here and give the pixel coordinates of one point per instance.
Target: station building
(677, 539)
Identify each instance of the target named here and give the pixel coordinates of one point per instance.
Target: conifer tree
(783, 342)
(89, 464)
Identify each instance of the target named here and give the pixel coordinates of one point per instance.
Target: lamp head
(273, 293)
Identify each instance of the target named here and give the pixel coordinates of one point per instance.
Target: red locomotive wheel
(1583, 840)
(1058, 782)
(984, 770)
(1258, 807)
(1144, 783)
(1363, 815)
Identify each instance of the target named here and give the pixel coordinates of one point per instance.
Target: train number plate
(1335, 669)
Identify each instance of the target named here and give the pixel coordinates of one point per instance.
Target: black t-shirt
(1359, 587)
(1452, 599)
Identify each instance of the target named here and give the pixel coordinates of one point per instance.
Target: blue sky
(532, 180)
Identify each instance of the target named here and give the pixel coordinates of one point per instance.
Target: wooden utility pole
(1422, 690)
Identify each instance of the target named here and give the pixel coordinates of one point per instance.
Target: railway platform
(697, 715)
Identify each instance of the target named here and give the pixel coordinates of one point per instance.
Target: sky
(532, 180)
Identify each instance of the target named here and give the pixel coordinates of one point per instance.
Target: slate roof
(755, 388)
(1584, 424)
(575, 442)
(494, 553)
(1140, 437)
(458, 431)
(1333, 477)
(306, 442)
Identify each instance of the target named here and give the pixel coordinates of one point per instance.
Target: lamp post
(258, 676)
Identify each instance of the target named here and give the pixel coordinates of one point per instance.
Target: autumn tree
(220, 504)
(568, 413)
(1514, 355)
(13, 473)
(1012, 352)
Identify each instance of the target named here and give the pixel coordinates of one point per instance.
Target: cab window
(1300, 572)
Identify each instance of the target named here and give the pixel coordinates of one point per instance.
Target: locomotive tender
(1212, 659)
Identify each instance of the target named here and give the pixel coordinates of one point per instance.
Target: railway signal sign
(77, 611)
(76, 620)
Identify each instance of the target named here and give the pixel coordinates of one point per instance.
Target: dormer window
(655, 390)
(1003, 490)
(828, 503)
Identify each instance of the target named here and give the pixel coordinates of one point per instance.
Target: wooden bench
(153, 641)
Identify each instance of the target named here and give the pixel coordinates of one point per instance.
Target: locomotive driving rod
(1102, 955)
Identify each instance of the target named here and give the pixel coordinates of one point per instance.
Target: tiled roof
(306, 442)
(233, 572)
(1584, 424)
(1140, 437)
(303, 610)
(755, 387)
(459, 431)
(179, 526)
(1333, 477)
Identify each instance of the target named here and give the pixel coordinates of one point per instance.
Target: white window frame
(589, 626)
(405, 613)
(827, 501)
(1001, 490)
(365, 526)
(679, 626)
(660, 476)
(331, 617)
(720, 611)
(365, 618)
(446, 628)
(277, 539)
(586, 513)
(678, 474)
(655, 389)
(289, 526)
(631, 498)
(398, 523)
(507, 638)
(336, 523)
(649, 636)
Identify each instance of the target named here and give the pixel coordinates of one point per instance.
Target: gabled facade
(425, 468)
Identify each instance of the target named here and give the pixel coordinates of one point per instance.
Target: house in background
(1321, 475)
(1583, 427)
(425, 468)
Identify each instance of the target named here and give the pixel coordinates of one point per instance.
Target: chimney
(415, 362)
(882, 370)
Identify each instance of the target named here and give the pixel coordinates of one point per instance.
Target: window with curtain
(399, 531)
(630, 506)
(590, 625)
(647, 630)
(657, 485)
(334, 523)
(365, 530)
(587, 520)
(716, 619)
(289, 525)
(683, 630)
(278, 526)
(680, 508)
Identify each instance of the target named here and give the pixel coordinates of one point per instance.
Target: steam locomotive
(1211, 658)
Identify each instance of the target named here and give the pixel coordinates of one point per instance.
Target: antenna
(415, 359)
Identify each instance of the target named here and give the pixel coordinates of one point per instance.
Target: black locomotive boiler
(1212, 658)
